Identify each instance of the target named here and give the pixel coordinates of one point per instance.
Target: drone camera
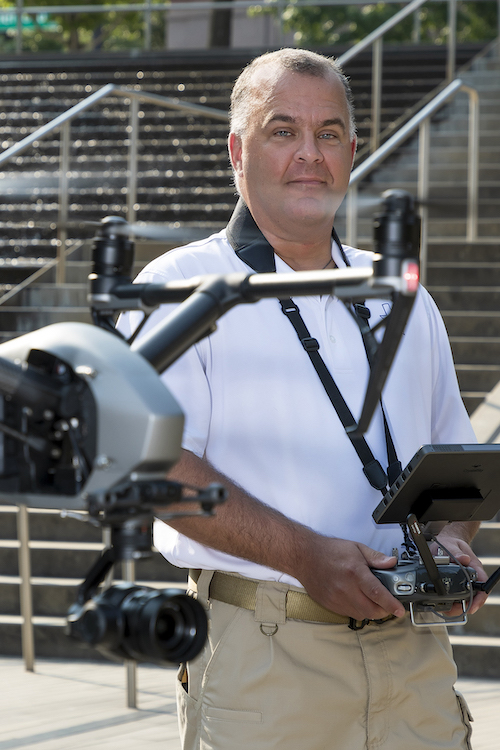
(127, 621)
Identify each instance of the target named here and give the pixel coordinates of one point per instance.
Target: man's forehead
(276, 97)
(270, 79)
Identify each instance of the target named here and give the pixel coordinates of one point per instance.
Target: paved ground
(67, 705)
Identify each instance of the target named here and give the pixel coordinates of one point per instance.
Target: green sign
(8, 21)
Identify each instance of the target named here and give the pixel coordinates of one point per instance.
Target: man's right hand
(337, 575)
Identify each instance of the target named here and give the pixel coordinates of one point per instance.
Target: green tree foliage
(348, 24)
(110, 31)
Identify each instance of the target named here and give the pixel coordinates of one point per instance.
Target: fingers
(466, 557)
(344, 583)
(379, 597)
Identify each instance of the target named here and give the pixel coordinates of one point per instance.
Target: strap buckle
(310, 344)
(357, 624)
(288, 306)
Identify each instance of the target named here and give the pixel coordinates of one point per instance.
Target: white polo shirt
(257, 411)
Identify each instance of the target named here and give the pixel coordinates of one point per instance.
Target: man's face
(294, 160)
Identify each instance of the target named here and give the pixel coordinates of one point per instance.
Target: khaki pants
(315, 686)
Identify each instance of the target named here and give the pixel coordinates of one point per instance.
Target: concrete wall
(189, 29)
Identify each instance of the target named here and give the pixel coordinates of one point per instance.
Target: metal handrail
(421, 121)
(89, 101)
(37, 274)
(147, 7)
(63, 122)
(374, 39)
(380, 32)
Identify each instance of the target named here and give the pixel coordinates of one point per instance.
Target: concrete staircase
(184, 179)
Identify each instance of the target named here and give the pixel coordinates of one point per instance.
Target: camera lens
(165, 625)
(135, 622)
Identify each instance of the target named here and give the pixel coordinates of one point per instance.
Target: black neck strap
(252, 248)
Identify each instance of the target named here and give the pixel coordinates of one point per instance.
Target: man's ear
(354, 145)
(234, 147)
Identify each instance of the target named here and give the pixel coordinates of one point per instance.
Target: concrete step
(460, 273)
(48, 524)
(50, 640)
(476, 656)
(33, 319)
(454, 172)
(73, 560)
(477, 378)
(49, 630)
(472, 400)
(485, 622)
(52, 597)
(466, 298)
(476, 349)
(472, 323)
(52, 295)
(476, 645)
(487, 540)
(458, 251)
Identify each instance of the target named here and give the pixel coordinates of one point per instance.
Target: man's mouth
(307, 181)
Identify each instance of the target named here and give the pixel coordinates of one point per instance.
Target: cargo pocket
(467, 719)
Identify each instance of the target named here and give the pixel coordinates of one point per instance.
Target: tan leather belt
(242, 592)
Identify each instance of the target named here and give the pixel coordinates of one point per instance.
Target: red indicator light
(411, 276)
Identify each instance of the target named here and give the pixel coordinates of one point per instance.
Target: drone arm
(197, 315)
(384, 358)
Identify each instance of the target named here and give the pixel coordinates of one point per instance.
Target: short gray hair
(245, 94)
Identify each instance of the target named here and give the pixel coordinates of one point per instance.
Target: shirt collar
(251, 246)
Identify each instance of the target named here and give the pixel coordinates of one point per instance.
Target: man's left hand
(451, 538)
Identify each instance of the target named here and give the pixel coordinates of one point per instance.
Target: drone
(88, 425)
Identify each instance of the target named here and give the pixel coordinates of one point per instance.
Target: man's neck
(301, 256)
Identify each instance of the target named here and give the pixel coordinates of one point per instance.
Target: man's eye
(282, 133)
(328, 136)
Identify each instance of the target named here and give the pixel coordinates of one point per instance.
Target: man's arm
(335, 572)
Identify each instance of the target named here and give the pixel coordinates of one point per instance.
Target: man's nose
(308, 149)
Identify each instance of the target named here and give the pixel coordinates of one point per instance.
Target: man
(306, 649)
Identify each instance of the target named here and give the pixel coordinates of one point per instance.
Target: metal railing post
(423, 192)
(26, 602)
(128, 574)
(147, 26)
(165, 29)
(377, 54)
(452, 40)
(352, 216)
(19, 26)
(133, 127)
(62, 230)
(498, 28)
(472, 164)
(417, 27)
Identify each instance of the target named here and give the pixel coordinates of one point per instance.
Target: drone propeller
(117, 225)
(368, 202)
